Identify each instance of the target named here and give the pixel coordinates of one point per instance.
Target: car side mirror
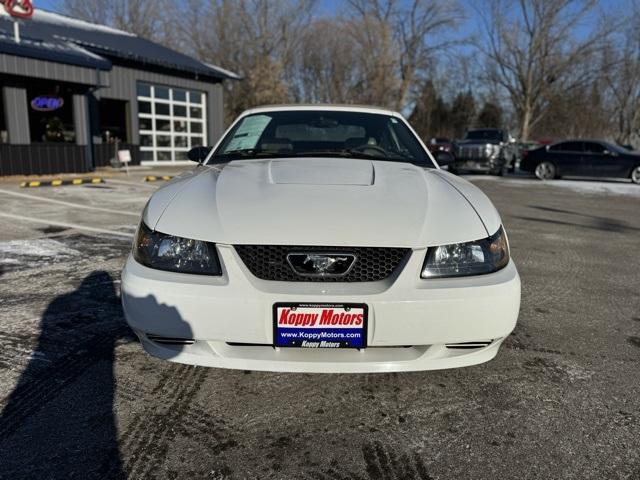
(198, 154)
(443, 158)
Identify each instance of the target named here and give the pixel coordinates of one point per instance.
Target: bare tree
(255, 38)
(326, 69)
(624, 82)
(135, 16)
(399, 40)
(536, 54)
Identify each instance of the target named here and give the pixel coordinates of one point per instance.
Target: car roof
(322, 107)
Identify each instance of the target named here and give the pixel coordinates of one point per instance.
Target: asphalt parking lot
(80, 399)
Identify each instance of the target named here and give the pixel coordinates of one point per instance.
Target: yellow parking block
(153, 178)
(59, 181)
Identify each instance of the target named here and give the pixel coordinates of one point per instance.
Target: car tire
(546, 171)
(498, 172)
(635, 175)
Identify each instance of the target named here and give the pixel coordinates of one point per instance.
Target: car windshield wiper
(320, 153)
(249, 153)
(381, 156)
(354, 153)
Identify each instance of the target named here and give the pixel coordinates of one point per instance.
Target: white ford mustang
(321, 239)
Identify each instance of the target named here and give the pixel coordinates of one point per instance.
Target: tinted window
(144, 90)
(179, 95)
(162, 92)
(593, 147)
(162, 108)
(567, 147)
(144, 107)
(307, 133)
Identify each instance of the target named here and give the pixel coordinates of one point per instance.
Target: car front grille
(471, 152)
(269, 262)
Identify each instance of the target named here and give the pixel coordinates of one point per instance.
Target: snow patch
(42, 247)
(621, 188)
(598, 188)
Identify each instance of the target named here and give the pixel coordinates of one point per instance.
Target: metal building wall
(17, 114)
(122, 86)
(34, 68)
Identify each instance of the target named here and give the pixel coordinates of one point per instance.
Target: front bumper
(411, 321)
(476, 165)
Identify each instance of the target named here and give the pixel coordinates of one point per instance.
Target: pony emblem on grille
(321, 264)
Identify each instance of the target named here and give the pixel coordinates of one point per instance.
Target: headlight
(472, 258)
(175, 254)
(491, 149)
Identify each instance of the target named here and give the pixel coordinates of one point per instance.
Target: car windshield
(484, 135)
(612, 147)
(313, 133)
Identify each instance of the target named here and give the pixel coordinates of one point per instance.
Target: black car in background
(582, 158)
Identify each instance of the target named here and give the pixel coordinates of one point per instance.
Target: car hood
(320, 201)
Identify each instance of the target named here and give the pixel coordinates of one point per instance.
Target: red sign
(18, 8)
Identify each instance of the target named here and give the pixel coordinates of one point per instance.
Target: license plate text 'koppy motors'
(320, 327)
(328, 317)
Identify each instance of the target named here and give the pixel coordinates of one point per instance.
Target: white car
(321, 239)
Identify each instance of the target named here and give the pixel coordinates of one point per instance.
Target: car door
(600, 161)
(568, 157)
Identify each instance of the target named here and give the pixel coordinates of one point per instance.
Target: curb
(152, 178)
(59, 182)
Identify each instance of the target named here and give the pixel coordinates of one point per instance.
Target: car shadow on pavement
(606, 224)
(59, 422)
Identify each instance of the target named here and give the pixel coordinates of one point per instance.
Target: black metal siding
(42, 159)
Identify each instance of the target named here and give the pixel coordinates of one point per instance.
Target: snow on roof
(65, 21)
(224, 71)
(101, 42)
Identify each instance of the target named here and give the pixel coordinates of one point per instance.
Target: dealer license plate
(305, 325)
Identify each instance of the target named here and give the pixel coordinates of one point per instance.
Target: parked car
(439, 144)
(321, 239)
(582, 158)
(489, 150)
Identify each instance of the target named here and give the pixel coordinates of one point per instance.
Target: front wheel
(635, 175)
(545, 171)
(498, 171)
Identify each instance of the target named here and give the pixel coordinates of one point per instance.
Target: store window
(50, 113)
(171, 121)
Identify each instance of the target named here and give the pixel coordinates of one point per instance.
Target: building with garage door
(74, 92)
